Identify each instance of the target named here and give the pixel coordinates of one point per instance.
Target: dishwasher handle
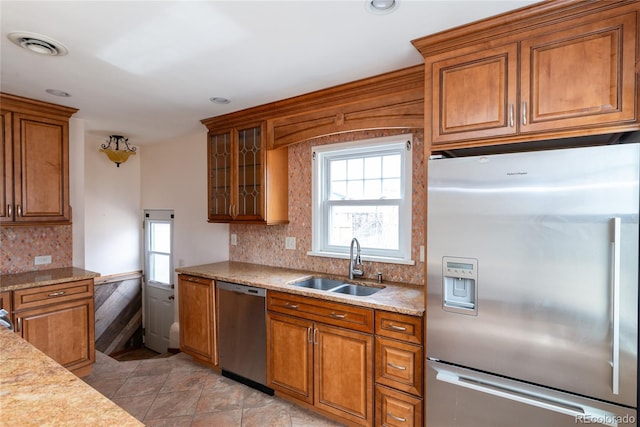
(242, 289)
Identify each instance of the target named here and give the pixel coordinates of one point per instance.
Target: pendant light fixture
(115, 152)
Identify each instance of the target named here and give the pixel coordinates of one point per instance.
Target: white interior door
(158, 288)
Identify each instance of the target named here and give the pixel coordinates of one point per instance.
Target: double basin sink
(337, 286)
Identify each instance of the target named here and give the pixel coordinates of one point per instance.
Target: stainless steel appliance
(242, 332)
(532, 306)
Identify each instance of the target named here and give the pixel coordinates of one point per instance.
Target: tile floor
(175, 391)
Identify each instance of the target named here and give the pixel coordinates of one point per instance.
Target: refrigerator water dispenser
(460, 285)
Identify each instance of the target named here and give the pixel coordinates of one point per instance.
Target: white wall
(174, 176)
(113, 220)
(77, 189)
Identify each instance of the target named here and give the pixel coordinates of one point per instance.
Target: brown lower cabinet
(59, 320)
(197, 321)
(327, 366)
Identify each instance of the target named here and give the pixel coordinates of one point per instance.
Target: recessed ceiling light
(219, 100)
(57, 92)
(381, 6)
(38, 43)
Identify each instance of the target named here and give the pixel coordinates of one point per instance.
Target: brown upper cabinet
(247, 183)
(555, 69)
(34, 157)
(247, 155)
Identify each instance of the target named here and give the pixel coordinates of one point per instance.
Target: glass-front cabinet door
(220, 176)
(236, 174)
(250, 174)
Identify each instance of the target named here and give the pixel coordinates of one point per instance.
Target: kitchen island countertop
(37, 391)
(30, 279)
(396, 297)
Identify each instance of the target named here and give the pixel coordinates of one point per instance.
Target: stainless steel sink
(358, 290)
(320, 283)
(337, 286)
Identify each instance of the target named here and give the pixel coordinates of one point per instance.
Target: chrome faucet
(355, 264)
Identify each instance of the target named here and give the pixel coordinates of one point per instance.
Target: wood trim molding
(118, 277)
(407, 81)
(513, 23)
(30, 106)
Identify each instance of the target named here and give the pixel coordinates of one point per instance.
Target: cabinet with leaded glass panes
(246, 182)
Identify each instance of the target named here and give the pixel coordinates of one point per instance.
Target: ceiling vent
(38, 43)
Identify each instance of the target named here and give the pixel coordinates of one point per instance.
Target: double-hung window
(362, 189)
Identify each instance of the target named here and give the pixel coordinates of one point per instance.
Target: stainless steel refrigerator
(532, 288)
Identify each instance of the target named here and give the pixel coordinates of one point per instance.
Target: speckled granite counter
(30, 279)
(36, 391)
(397, 297)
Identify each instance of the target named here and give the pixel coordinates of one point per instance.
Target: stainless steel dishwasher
(242, 334)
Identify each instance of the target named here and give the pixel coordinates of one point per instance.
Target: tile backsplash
(266, 244)
(20, 245)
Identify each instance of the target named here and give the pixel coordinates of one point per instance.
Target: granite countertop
(30, 279)
(37, 391)
(396, 297)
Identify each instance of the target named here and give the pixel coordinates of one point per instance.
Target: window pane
(376, 227)
(373, 167)
(160, 268)
(160, 237)
(366, 178)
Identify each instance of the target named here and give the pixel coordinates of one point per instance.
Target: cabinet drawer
(399, 365)
(194, 279)
(51, 294)
(399, 326)
(336, 314)
(397, 409)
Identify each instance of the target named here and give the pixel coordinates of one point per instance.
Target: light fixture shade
(116, 154)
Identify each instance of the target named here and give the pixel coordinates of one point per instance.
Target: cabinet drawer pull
(56, 294)
(524, 113)
(309, 334)
(511, 123)
(10, 210)
(19, 210)
(19, 324)
(315, 335)
(338, 316)
(397, 328)
(401, 368)
(291, 306)
(402, 420)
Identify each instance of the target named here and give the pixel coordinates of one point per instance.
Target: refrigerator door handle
(615, 305)
(568, 408)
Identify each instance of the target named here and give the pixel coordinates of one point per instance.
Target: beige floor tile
(139, 386)
(170, 422)
(178, 392)
(176, 404)
(226, 419)
(138, 406)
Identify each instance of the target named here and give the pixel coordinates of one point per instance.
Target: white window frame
(164, 216)
(320, 155)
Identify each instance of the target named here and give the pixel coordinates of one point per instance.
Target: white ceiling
(146, 69)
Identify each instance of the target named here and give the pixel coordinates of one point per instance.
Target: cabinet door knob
(171, 297)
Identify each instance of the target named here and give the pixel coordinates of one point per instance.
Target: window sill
(370, 258)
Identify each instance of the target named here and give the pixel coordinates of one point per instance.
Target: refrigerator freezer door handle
(567, 408)
(615, 302)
